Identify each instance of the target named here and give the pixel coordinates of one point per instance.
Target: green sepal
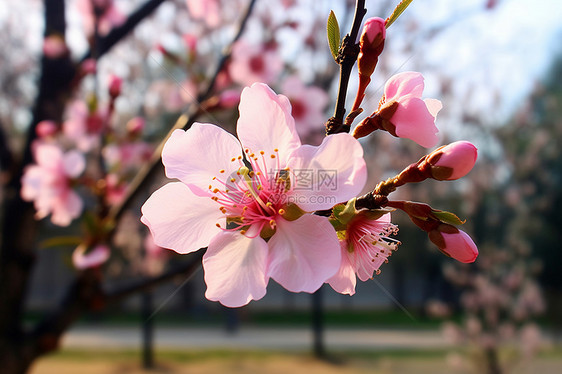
(400, 8)
(333, 30)
(447, 217)
(292, 212)
(339, 226)
(345, 213)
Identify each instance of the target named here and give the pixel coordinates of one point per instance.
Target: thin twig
(347, 57)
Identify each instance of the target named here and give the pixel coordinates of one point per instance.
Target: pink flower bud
(82, 258)
(89, 66)
(371, 44)
(54, 47)
(46, 128)
(135, 125)
(229, 98)
(454, 243)
(115, 84)
(452, 161)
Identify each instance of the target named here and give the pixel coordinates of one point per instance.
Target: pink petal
(402, 84)
(66, 207)
(181, 220)
(235, 269)
(266, 124)
(344, 280)
(338, 171)
(48, 156)
(197, 155)
(433, 106)
(74, 163)
(95, 257)
(414, 121)
(304, 253)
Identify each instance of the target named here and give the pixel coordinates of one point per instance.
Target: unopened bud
(135, 126)
(452, 161)
(454, 243)
(46, 128)
(115, 84)
(371, 45)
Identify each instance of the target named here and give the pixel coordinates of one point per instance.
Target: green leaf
(61, 241)
(447, 217)
(400, 8)
(333, 29)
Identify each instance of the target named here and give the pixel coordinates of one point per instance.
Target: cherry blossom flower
(48, 183)
(82, 126)
(252, 63)
(308, 105)
(403, 113)
(207, 10)
(109, 18)
(250, 208)
(82, 258)
(365, 246)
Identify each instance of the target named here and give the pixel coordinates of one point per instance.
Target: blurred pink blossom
(83, 127)
(207, 10)
(48, 183)
(252, 63)
(216, 187)
(110, 16)
(54, 46)
(82, 258)
(308, 104)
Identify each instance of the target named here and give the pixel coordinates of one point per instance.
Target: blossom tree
(259, 206)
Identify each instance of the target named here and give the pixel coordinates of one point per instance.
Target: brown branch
(104, 44)
(347, 56)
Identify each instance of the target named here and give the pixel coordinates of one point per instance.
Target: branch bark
(347, 57)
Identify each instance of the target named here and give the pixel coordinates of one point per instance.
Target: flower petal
(235, 269)
(181, 220)
(266, 124)
(197, 155)
(413, 120)
(303, 254)
(74, 163)
(338, 172)
(344, 280)
(95, 257)
(402, 84)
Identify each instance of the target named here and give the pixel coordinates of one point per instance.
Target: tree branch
(347, 56)
(105, 43)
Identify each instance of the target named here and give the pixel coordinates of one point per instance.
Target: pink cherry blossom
(252, 216)
(82, 258)
(252, 63)
(364, 249)
(413, 118)
(48, 183)
(308, 103)
(207, 10)
(54, 46)
(110, 17)
(82, 126)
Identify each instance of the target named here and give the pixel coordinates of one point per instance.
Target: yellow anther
(281, 211)
(262, 153)
(210, 187)
(251, 174)
(247, 150)
(240, 157)
(214, 198)
(272, 223)
(233, 159)
(214, 178)
(221, 171)
(252, 155)
(218, 225)
(272, 156)
(378, 272)
(258, 172)
(216, 190)
(260, 187)
(232, 180)
(269, 204)
(276, 150)
(243, 232)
